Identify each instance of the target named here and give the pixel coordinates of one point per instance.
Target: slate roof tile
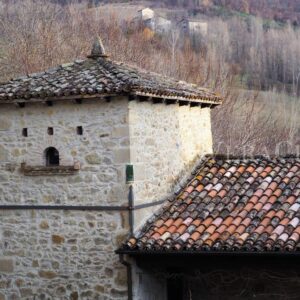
(214, 215)
(100, 76)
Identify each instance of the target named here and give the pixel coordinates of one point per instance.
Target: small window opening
(79, 130)
(52, 156)
(50, 130)
(25, 132)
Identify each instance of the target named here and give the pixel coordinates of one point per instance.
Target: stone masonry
(67, 254)
(165, 143)
(63, 254)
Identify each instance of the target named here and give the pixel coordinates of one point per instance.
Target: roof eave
(176, 99)
(205, 253)
(57, 98)
(206, 100)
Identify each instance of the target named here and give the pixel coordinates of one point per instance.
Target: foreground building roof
(229, 204)
(99, 76)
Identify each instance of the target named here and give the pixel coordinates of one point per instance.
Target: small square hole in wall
(50, 130)
(25, 132)
(79, 130)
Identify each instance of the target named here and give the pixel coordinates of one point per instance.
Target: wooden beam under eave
(144, 98)
(195, 104)
(49, 103)
(157, 100)
(107, 99)
(183, 102)
(78, 101)
(132, 97)
(171, 101)
(204, 105)
(21, 104)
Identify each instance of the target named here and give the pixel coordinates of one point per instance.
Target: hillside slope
(278, 10)
(287, 10)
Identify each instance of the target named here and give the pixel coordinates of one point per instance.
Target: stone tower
(68, 135)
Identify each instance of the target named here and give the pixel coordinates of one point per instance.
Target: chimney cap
(98, 49)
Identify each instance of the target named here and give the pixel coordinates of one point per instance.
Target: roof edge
(164, 98)
(205, 253)
(247, 156)
(202, 162)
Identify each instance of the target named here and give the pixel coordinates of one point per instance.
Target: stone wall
(165, 143)
(58, 254)
(63, 254)
(102, 150)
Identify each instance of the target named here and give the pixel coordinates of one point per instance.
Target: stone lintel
(49, 170)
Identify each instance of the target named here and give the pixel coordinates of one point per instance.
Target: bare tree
(36, 35)
(173, 41)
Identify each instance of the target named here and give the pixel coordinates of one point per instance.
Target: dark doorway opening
(52, 156)
(175, 289)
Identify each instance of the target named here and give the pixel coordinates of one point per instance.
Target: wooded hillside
(269, 9)
(278, 10)
(287, 10)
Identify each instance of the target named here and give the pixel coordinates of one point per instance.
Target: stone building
(152, 20)
(77, 143)
(231, 232)
(146, 14)
(93, 204)
(193, 27)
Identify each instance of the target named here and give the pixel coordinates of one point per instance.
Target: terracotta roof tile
(231, 229)
(172, 229)
(285, 221)
(178, 222)
(221, 229)
(200, 229)
(260, 229)
(297, 230)
(181, 229)
(196, 222)
(169, 222)
(240, 204)
(162, 229)
(294, 237)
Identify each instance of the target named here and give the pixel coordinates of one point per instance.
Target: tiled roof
(230, 204)
(100, 76)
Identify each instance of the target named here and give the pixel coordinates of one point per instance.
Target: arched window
(52, 157)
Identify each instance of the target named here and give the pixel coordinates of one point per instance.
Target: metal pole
(131, 209)
(129, 276)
